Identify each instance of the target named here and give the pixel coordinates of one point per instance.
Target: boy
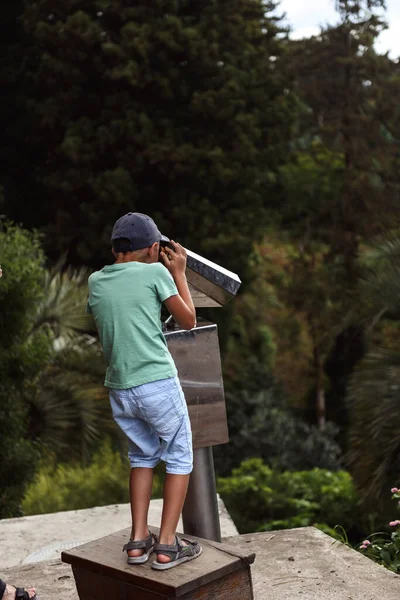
(145, 394)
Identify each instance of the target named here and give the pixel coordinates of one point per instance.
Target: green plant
(261, 499)
(51, 392)
(384, 548)
(21, 356)
(264, 425)
(71, 487)
(373, 391)
(68, 404)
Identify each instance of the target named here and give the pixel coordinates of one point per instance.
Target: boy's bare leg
(140, 486)
(175, 489)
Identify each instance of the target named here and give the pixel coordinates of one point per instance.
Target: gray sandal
(178, 553)
(147, 545)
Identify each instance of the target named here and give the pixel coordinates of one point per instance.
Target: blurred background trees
(160, 104)
(22, 354)
(277, 158)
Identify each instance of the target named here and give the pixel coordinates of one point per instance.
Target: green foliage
(51, 375)
(69, 407)
(22, 354)
(378, 288)
(287, 320)
(71, 487)
(374, 442)
(349, 111)
(22, 261)
(61, 309)
(177, 108)
(373, 391)
(384, 548)
(261, 499)
(263, 425)
(313, 180)
(340, 185)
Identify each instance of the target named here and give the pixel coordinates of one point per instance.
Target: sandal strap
(174, 550)
(21, 594)
(171, 550)
(141, 544)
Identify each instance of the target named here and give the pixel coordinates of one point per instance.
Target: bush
(261, 499)
(384, 548)
(66, 487)
(22, 354)
(263, 425)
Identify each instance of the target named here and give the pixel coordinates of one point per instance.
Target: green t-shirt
(125, 300)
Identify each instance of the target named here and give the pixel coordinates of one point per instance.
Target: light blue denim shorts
(155, 419)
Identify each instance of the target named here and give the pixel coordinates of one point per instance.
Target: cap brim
(164, 239)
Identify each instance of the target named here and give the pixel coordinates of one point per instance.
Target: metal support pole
(200, 513)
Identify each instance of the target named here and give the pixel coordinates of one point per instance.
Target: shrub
(261, 499)
(263, 425)
(22, 354)
(384, 548)
(66, 487)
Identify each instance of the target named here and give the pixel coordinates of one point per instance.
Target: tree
(351, 111)
(317, 277)
(52, 397)
(21, 356)
(17, 155)
(175, 108)
(286, 322)
(374, 393)
(68, 406)
(342, 184)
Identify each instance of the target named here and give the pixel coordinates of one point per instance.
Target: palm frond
(379, 284)
(374, 437)
(63, 307)
(70, 410)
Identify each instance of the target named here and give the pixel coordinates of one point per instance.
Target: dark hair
(122, 245)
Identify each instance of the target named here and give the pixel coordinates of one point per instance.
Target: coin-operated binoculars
(197, 357)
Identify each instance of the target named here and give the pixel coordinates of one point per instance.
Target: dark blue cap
(139, 229)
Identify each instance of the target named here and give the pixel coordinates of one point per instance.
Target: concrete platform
(43, 537)
(296, 563)
(308, 564)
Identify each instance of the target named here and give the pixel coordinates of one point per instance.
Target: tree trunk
(319, 378)
(321, 407)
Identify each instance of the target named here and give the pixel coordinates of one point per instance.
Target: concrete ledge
(43, 537)
(308, 564)
(296, 563)
(52, 580)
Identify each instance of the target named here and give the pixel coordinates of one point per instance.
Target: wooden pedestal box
(102, 573)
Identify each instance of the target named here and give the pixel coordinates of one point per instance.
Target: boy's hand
(174, 259)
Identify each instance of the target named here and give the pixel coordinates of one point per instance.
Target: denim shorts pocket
(160, 412)
(179, 401)
(120, 404)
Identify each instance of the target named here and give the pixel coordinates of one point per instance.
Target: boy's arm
(181, 307)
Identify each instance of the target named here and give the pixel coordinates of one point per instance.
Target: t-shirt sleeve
(165, 284)
(88, 308)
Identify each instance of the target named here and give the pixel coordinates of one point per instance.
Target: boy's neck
(127, 259)
(136, 256)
